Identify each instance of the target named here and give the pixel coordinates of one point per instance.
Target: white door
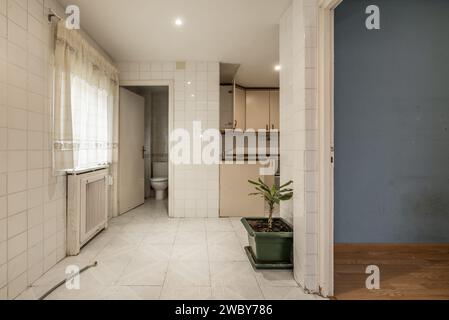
(131, 159)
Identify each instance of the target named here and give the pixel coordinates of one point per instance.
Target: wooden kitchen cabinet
(235, 189)
(262, 109)
(274, 110)
(257, 109)
(239, 108)
(226, 107)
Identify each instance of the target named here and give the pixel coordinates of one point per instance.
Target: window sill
(86, 170)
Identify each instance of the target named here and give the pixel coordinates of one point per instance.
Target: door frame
(171, 95)
(325, 86)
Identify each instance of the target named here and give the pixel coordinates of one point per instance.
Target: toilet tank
(160, 169)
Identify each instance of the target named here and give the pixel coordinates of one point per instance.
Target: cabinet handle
(235, 124)
(268, 127)
(272, 126)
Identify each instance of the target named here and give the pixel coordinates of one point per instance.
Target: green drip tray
(259, 265)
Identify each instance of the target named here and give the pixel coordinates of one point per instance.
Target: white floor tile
(131, 293)
(243, 239)
(108, 272)
(220, 225)
(188, 274)
(160, 237)
(222, 238)
(227, 252)
(193, 252)
(145, 255)
(123, 246)
(237, 292)
(4, 294)
(91, 292)
(144, 218)
(232, 274)
(194, 237)
(286, 293)
(156, 252)
(90, 289)
(138, 227)
(276, 279)
(58, 273)
(141, 272)
(237, 225)
(186, 293)
(93, 248)
(192, 225)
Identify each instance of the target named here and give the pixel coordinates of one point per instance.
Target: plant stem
(270, 219)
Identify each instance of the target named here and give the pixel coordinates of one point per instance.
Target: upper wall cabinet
(226, 107)
(257, 109)
(262, 109)
(240, 109)
(274, 110)
(232, 107)
(245, 109)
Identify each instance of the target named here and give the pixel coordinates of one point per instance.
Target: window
(85, 104)
(90, 122)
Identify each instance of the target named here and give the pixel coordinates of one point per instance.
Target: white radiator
(87, 207)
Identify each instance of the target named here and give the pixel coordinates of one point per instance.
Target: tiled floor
(146, 255)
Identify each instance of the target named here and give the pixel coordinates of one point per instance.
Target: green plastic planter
(270, 248)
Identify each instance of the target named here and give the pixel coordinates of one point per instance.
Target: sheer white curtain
(85, 112)
(86, 87)
(90, 124)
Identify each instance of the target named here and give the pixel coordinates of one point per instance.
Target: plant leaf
(286, 197)
(272, 195)
(254, 183)
(286, 185)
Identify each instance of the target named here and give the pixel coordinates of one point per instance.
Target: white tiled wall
(197, 88)
(299, 134)
(32, 201)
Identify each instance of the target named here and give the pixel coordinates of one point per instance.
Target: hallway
(144, 255)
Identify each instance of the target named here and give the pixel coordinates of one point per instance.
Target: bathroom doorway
(147, 177)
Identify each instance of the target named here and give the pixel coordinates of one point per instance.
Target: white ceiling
(244, 32)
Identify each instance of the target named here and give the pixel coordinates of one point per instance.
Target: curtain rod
(52, 14)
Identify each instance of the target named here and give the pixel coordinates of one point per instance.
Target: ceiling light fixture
(278, 67)
(179, 22)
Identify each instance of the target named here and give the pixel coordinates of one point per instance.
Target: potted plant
(270, 239)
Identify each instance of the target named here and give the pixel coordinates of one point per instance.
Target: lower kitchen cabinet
(235, 189)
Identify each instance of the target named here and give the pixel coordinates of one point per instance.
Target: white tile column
(299, 134)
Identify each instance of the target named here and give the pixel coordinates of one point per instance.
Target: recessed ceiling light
(278, 67)
(189, 82)
(179, 22)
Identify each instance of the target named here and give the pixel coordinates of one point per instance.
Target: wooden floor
(408, 272)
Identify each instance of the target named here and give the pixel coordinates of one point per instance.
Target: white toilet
(159, 182)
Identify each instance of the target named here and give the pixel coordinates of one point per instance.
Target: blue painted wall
(392, 123)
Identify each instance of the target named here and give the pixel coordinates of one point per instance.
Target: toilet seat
(159, 179)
